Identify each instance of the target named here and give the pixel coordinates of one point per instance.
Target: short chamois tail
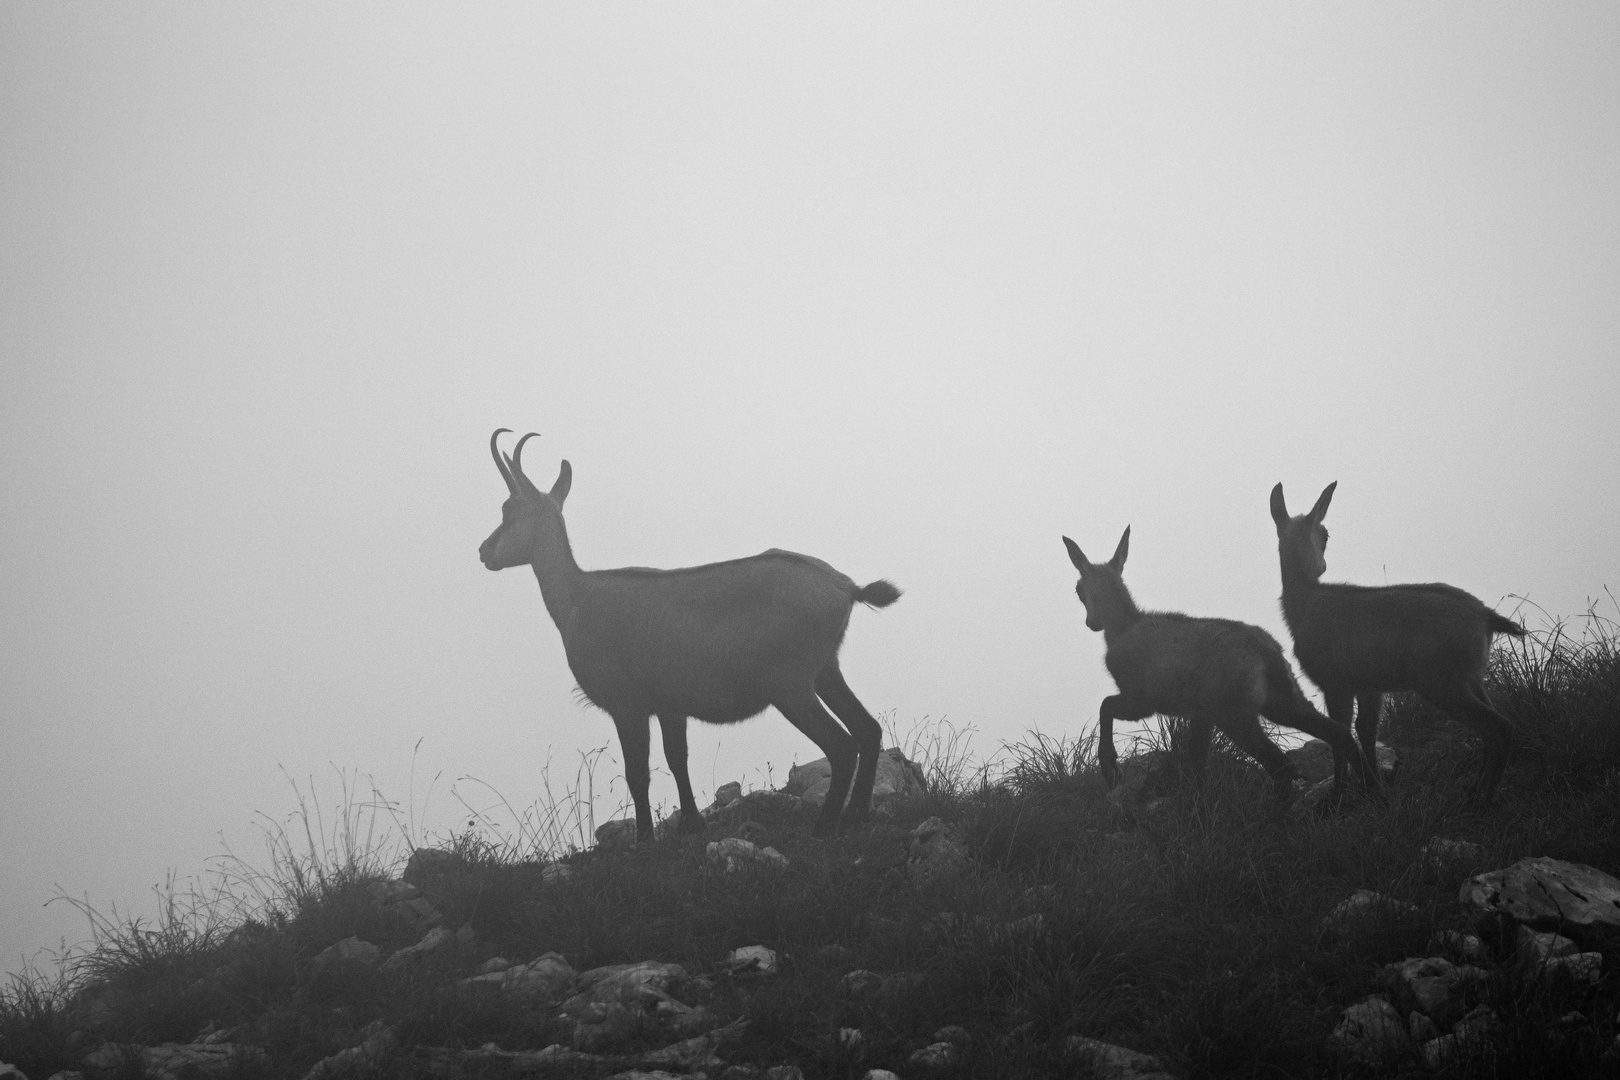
(882, 592)
(1496, 624)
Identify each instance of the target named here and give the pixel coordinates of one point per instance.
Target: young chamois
(717, 642)
(1358, 642)
(1212, 672)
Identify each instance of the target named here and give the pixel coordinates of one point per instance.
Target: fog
(915, 289)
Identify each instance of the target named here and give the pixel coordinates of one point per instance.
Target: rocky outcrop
(1314, 760)
(735, 854)
(896, 776)
(1573, 899)
(936, 852)
(1372, 1032)
(1110, 1062)
(1526, 909)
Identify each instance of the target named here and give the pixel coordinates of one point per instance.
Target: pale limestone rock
(896, 776)
(428, 865)
(621, 832)
(1110, 1062)
(1585, 967)
(726, 794)
(378, 1040)
(1366, 907)
(173, 1061)
(1372, 1032)
(432, 941)
(392, 891)
(1532, 949)
(880, 1074)
(1467, 946)
(936, 853)
(736, 854)
(1421, 1028)
(11, 1072)
(350, 952)
(552, 873)
(953, 1033)
(1314, 760)
(935, 1057)
(418, 912)
(1573, 899)
(547, 978)
(1433, 985)
(623, 982)
(1480, 1022)
(752, 960)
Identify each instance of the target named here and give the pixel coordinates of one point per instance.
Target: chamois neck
(556, 571)
(1117, 610)
(1297, 583)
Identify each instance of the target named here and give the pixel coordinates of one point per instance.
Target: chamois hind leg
(1247, 735)
(1471, 705)
(805, 712)
(635, 741)
(1196, 732)
(838, 697)
(1114, 707)
(1369, 706)
(673, 725)
(1290, 708)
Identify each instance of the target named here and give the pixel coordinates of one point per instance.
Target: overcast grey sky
(911, 288)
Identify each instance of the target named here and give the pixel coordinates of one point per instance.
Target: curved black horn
(494, 452)
(517, 453)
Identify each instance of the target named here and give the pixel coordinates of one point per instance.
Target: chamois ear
(565, 480)
(1322, 501)
(1279, 508)
(1118, 561)
(1076, 556)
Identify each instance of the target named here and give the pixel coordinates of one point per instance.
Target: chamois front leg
(673, 725)
(1290, 708)
(1368, 708)
(1114, 707)
(1341, 710)
(635, 741)
(1247, 735)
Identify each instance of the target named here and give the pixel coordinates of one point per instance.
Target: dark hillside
(1192, 924)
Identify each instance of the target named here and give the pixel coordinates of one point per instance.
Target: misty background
(915, 289)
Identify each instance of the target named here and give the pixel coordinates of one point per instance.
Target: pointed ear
(1076, 556)
(1322, 502)
(565, 480)
(1279, 508)
(1118, 561)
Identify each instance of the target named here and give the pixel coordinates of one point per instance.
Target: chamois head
(1302, 541)
(1101, 587)
(529, 516)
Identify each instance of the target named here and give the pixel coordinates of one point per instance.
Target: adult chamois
(1358, 642)
(718, 642)
(1212, 672)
